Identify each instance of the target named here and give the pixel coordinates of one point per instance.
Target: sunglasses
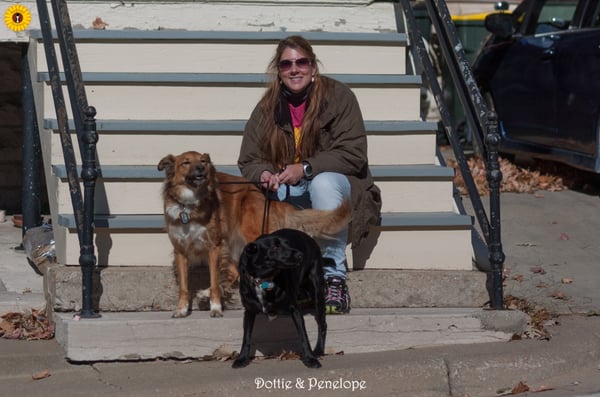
(286, 64)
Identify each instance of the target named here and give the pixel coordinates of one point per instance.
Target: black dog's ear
(247, 258)
(168, 164)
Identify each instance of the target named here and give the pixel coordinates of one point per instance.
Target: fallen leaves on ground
(566, 280)
(538, 316)
(514, 179)
(41, 375)
(222, 353)
(288, 355)
(559, 295)
(521, 388)
(537, 269)
(30, 325)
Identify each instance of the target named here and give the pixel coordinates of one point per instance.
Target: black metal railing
(85, 126)
(482, 122)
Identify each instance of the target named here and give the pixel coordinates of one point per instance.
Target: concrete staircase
(162, 92)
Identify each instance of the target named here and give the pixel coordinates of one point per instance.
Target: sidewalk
(551, 247)
(20, 287)
(567, 364)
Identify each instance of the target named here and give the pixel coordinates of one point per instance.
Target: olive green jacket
(342, 149)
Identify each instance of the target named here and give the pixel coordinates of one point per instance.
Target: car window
(555, 15)
(595, 19)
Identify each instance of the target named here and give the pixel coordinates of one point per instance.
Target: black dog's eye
(298, 256)
(251, 249)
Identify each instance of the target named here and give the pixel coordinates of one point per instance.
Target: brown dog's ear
(167, 164)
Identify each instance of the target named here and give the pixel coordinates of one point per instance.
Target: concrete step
(212, 96)
(390, 142)
(227, 52)
(138, 288)
(120, 189)
(135, 336)
(398, 243)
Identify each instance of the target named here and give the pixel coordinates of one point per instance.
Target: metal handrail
(85, 125)
(483, 123)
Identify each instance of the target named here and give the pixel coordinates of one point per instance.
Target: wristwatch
(308, 172)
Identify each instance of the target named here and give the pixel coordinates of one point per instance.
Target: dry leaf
(564, 236)
(542, 285)
(518, 277)
(538, 269)
(330, 351)
(99, 24)
(520, 388)
(222, 353)
(559, 295)
(288, 355)
(41, 375)
(566, 280)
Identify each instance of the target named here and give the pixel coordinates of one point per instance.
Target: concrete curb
(135, 336)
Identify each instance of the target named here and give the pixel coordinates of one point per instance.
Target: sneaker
(337, 298)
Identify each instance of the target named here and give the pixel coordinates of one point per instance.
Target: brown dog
(210, 216)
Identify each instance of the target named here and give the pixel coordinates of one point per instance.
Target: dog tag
(267, 285)
(185, 218)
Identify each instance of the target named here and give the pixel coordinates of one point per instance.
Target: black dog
(276, 271)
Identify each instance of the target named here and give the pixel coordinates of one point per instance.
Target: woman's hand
(269, 180)
(291, 174)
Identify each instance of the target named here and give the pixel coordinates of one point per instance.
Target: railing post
(494, 177)
(89, 174)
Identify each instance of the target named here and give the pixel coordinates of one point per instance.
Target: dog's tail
(320, 223)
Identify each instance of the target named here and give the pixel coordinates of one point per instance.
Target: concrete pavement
(566, 365)
(551, 248)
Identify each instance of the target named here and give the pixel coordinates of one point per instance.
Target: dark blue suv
(540, 71)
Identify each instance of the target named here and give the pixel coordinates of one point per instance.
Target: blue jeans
(326, 191)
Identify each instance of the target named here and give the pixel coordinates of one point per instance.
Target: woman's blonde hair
(276, 147)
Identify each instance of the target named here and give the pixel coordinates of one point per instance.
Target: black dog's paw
(311, 362)
(241, 362)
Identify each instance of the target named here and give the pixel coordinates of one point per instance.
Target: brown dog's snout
(196, 174)
(199, 169)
